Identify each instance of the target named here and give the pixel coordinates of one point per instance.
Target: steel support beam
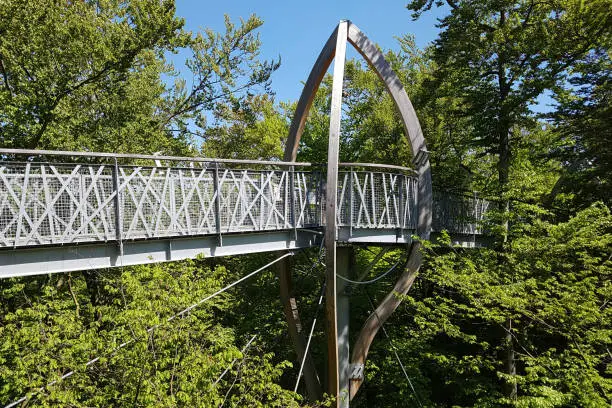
(53, 259)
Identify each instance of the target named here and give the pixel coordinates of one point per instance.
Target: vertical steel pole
(292, 200)
(476, 218)
(262, 206)
(343, 257)
(321, 206)
(217, 192)
(401, 182)
(351, 198)
(118, 223)
(330, 211)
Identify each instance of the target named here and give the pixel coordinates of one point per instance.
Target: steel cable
(397, 357)
(312, 327)
(379, 277)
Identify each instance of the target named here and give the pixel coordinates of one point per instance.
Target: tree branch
(74, 298)
(5, 77)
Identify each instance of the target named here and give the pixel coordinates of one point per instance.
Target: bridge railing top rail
(5, 153)
(150, 157)
(379, 167)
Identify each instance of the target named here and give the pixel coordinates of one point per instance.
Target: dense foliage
(52, 324)
(525, 322)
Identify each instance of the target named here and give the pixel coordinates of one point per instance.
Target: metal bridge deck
(58, 217)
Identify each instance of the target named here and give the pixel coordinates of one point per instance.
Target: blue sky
(296, 31)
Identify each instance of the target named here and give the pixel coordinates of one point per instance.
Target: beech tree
(448, 329)
(88, 75)
(584, 125)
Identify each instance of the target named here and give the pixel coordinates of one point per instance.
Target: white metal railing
(44, 203)
(459, 213)
(48, 203)
(377, 199)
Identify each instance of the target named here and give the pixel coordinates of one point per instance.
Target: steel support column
(331, 202)
(343, 267)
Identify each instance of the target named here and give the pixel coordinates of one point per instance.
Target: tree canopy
(92, 75)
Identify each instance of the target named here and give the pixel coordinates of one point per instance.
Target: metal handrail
(380, 166)
(146, 157)
(113, 156)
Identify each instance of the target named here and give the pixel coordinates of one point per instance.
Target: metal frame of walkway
(67, 211)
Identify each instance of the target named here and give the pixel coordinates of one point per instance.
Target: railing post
(351, 198)
(476, 217)
(82, 200)
(217, 193)
(292, 200)
(321, 194)
(414, 213)
(262, 178)
(401, 212)
(118, 221)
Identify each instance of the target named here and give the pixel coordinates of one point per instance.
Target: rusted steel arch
(413, 132)
(311, 379)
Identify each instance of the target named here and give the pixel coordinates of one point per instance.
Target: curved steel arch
(412, 127)
(336, 45)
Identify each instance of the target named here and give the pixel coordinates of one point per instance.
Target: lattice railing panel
(308, 201)
(160, 202)
(56, 204)
(459, 214)
(46, 204)
(254, 200)
(369, 199)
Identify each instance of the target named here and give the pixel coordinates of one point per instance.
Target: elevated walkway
(66, 211)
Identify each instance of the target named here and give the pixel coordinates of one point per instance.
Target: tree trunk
(95, 291)
(503, 171)
(510, 387)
